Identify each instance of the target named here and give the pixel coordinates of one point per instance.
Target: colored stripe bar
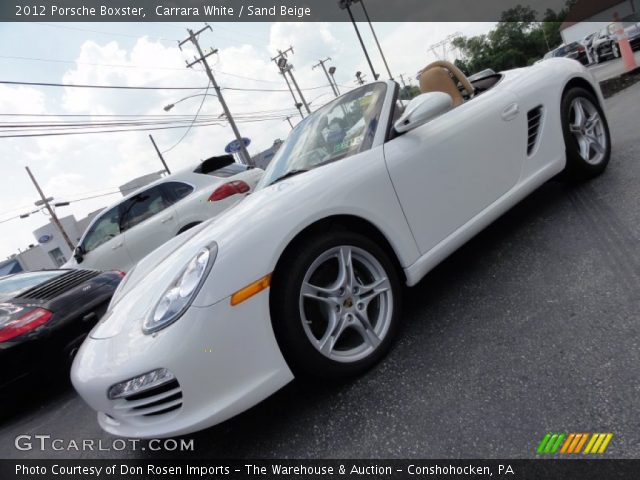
(591, 443)
(583, 439)
(551, 443)
(556, 446)
(543, 443)
(605, 442)
(567, 443)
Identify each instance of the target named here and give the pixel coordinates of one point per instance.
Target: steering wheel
(455, 71)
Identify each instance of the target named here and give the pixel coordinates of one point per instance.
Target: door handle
(165, 220)
(510, 112)
(117, 246)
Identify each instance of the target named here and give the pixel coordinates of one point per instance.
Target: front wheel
(336, 305)
(586, 135)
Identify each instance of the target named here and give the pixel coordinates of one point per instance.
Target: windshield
(338, 130)
(21, 282)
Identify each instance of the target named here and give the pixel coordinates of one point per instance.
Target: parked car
(127, 231)
(304, 277)
(632, 32)
(573, 50)
(603, 44)
(45, 316)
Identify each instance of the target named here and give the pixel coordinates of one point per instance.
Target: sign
(46, 238)
(235, 146)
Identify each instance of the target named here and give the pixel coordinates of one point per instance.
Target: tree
(517, 40)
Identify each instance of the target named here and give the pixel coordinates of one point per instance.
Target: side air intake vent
(534, 119)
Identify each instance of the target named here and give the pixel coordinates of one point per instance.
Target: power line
(141, 67)
(129, 87)
(76, 85)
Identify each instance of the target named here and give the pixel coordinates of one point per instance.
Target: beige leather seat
(437, 77)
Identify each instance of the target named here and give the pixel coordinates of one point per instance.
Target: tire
(615, 50)
(363, 322)
(586, 136)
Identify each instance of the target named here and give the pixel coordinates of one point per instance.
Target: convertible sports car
(304, 276)
(45, 316)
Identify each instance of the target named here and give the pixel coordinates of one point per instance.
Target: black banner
(338, 469)
(281, 10)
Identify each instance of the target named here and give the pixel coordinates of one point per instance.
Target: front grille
(150, 403)
(534, 119)
(59, 285)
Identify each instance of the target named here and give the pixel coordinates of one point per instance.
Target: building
(51, 250)
(587, 17)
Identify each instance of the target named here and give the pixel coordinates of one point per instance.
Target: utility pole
(360, 78)
(54, 217)
(375, 37)
(402, 80)
(297, 104)
(286, 67)
(193, 38)
(346, 5)
(288, 119)
(160, 155)
(332, 71)
(321, 64)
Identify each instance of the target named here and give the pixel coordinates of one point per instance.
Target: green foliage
(517, 40)
(408, 92)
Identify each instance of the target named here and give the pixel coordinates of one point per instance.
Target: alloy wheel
(586, 126)
(346, 303)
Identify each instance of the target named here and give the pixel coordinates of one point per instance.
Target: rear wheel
(615, 50)
(586, 135)
(336, 308)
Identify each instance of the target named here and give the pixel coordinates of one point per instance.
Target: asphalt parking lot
(531, 327)
(610, 68)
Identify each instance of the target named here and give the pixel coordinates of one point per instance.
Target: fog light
(140, 384)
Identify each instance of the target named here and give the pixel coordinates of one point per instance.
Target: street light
(171, 105)
(346, 5)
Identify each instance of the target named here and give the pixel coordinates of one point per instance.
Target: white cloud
(80, 165)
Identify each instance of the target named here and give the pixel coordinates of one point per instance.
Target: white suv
(126, 232)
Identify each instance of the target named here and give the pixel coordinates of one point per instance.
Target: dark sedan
(45, 316)
(571, 50)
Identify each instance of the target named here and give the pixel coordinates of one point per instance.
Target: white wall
(578, 31)
(35, 259)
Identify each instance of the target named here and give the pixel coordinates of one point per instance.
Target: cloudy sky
(73, 167)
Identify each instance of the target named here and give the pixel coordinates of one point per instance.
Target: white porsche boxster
(304, 276)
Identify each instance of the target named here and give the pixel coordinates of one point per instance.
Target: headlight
(177, 298)
(140, 384)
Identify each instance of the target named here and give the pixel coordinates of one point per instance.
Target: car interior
(443, 76)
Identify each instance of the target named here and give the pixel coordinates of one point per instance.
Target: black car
(45, 316)
(571, 50)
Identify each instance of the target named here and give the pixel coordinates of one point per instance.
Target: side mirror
(423, 109)
(78, 253)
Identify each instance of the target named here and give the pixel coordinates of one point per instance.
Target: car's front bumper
(225, 359)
